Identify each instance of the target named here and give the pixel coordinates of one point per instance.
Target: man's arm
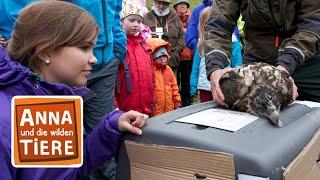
(306, 41)
(219, 29)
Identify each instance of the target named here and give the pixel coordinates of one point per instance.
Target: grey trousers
(102, 84)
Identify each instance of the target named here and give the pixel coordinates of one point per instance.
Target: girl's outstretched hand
(132, 121)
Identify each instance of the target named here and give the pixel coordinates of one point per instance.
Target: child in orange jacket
(166, 87)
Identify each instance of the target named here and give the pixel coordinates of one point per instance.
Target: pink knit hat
(131, 7)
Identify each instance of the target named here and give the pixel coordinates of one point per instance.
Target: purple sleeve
(7, 170)
(101, 144)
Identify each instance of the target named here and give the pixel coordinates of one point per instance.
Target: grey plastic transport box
(259, 149)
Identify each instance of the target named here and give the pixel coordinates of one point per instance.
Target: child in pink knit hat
(135, 88)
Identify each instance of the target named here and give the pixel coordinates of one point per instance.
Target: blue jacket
(111, 41)
(195, 73)
(9, 13)
(100, 145)
(192, 33)
(236, 60)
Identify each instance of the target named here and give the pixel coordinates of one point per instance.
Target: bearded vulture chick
(259, 89)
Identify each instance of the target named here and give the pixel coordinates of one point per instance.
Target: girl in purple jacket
(50, 53)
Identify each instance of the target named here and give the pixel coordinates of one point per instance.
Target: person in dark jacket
(162, 19)
(182, 10)
(282, 33)
(45, 59)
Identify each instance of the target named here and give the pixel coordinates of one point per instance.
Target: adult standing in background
(182, 11)
(192, 33)
(165, 23)
(109, 50)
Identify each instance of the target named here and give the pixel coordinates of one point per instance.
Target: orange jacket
(167, 90)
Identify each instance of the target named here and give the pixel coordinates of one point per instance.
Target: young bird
(259, 89)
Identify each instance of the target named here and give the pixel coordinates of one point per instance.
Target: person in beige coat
(165, 23)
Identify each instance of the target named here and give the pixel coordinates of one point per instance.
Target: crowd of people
(129, 63)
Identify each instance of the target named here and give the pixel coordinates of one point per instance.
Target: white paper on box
(250, 177)
(219, 118)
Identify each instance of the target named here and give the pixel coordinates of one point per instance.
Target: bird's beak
(280, 125)
(274, 118)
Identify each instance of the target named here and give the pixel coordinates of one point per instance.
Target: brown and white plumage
(259, 89)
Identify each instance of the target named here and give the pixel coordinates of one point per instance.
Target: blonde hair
(204, 17)
(47, 27)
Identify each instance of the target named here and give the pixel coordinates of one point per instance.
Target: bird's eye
(269, 97)
(258, 102)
